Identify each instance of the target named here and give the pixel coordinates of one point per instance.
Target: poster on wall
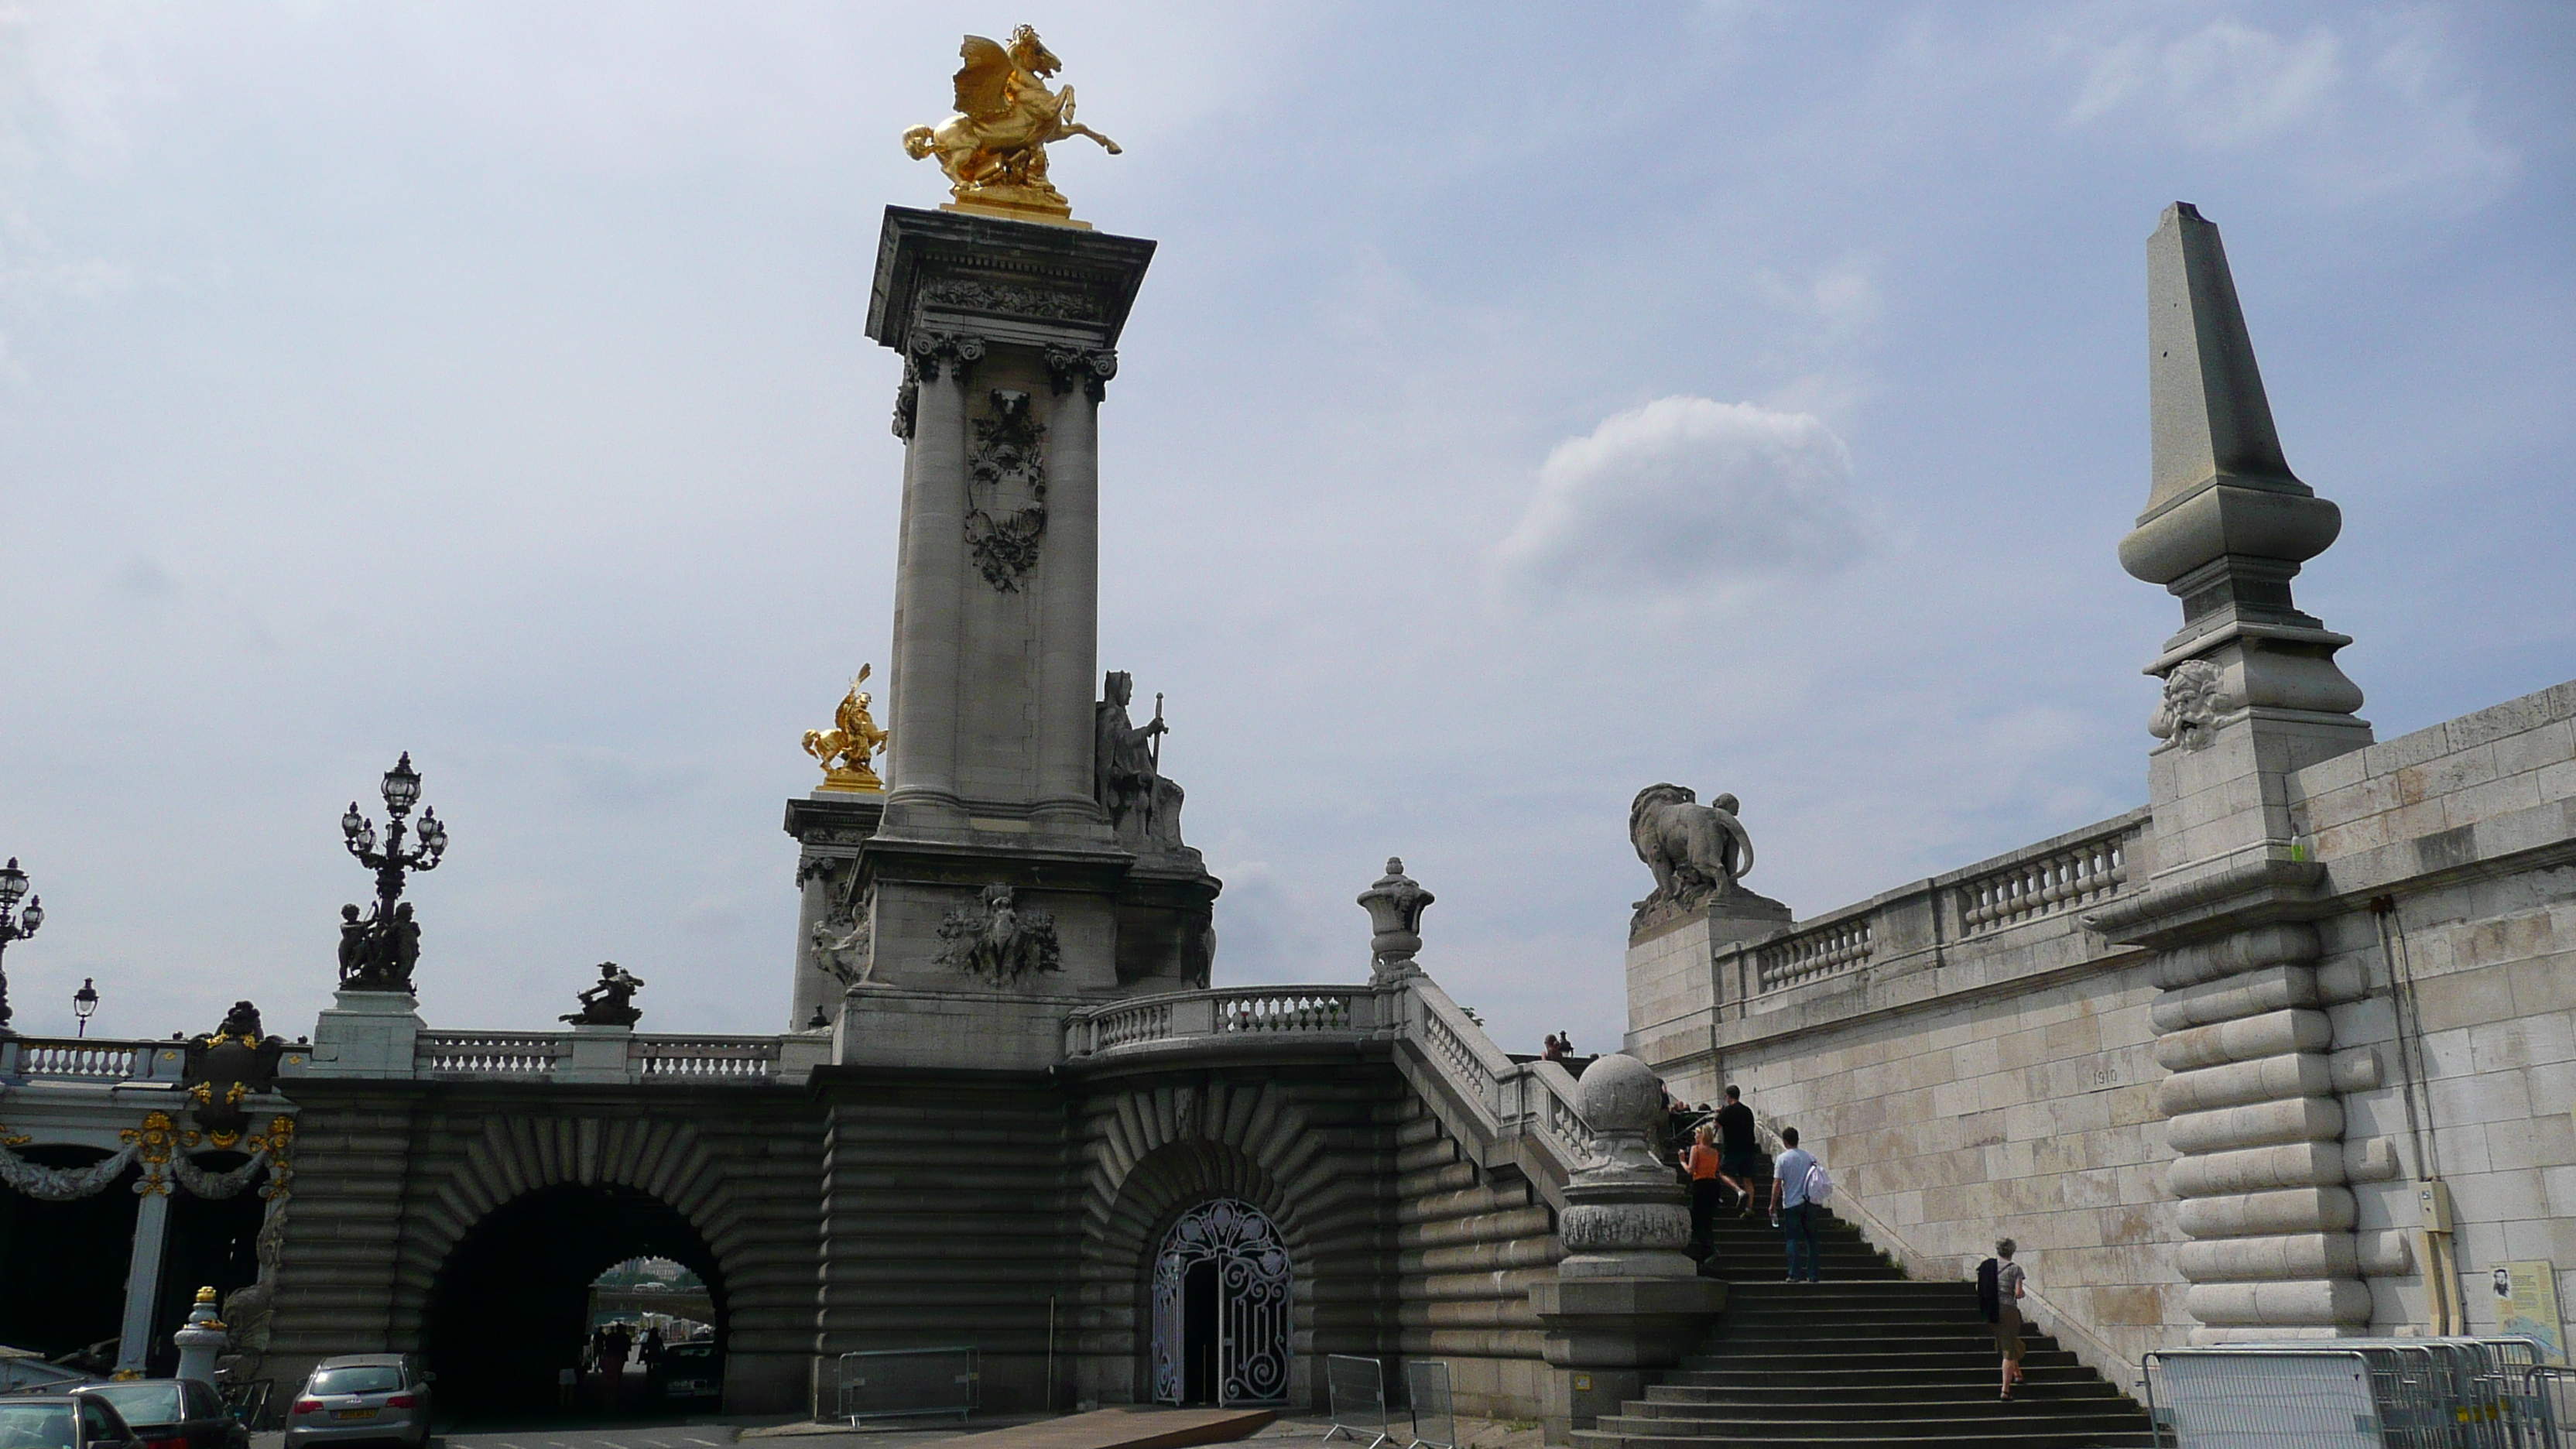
(2527, 1304)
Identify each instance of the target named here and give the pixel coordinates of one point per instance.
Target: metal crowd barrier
(2548, 1394)
(1357, 1388)
(2368, 1393)
(1426, 1393)
(901, 1383)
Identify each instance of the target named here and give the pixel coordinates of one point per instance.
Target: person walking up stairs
(1866, 1357)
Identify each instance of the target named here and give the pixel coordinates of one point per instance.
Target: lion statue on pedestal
(1697, 852)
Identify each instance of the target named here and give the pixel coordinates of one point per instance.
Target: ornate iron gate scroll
(1253, 1290)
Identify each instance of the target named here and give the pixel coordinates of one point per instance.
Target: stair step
(1789, 1437)
(1661, 1397)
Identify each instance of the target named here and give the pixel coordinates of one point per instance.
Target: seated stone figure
(611, 1002)
(1144, 806)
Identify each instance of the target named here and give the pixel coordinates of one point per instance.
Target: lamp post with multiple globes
(15, 925)
(377, 954)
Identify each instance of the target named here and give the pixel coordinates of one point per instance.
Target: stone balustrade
(2090, 871)
(68, 1059)
(550, 1055)
(1498, 1103)
(1821, 950)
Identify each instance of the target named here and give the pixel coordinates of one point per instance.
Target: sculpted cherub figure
(994, 148)
(853, 739)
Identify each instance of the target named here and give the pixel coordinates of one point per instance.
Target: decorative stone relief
(907, 401)
(926, 352)
(844, 947)
(1007, 466)
(993, 937)
(1014, 298)
(2195, 697)
(1090, 366)
(62, 1184)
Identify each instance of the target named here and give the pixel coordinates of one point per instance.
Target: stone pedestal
(1672, 962)
(829, 826)
(200, 1340)
(598, 1055)
(1626, 1301)
(365, 1034)
(1608, 1338)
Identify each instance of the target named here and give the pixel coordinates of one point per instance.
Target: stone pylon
(994, 890)
(2251, 694)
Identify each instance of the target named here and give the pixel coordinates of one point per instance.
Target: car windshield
(369, 1378)
(144, 1403)
(35, 1426)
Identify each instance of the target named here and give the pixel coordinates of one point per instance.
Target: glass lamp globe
(402, 786)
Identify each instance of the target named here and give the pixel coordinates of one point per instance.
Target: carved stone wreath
(1004, 540)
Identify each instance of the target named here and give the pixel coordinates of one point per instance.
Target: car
(171, 1413)
(62, 1421)
(691, 1372)
(361, 1396)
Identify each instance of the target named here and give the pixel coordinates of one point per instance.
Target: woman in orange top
(1703, 1163)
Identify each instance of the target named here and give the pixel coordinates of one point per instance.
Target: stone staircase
(1866, 1357)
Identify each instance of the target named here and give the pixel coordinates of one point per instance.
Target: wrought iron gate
(1253, 1282)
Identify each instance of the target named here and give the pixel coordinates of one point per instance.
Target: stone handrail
(1352, 1013)
(2066, 879)
(1500, 1108)
(1941, 920)
(71, 1059)
(702, 1057)
(519, 1055)
(1832, 946)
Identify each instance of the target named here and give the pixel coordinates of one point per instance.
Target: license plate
(353, 1413)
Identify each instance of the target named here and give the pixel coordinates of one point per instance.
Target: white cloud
(2355, 116)
(1686, 495)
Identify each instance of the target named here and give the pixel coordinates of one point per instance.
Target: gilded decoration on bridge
(994, 148)
(237, 1060)
(152, 1143)
(851, 741)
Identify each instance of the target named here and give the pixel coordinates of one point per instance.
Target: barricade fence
(906, 1383)
(1426, 1395)
(2367, 1393)
(1356, 1389)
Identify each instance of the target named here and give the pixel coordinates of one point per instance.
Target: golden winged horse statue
(994, 148)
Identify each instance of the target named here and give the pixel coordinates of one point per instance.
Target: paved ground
(722, 1434)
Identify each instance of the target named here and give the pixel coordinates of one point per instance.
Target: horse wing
(984, 82)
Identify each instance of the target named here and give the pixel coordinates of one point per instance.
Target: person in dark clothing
(1739, 1154)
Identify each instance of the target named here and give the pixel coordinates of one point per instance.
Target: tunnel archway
(510, 1306)
(63, 1264)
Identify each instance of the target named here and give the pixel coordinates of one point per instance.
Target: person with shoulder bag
(1999, 1293)
(1799, 1186)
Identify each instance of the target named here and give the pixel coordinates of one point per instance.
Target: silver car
(361, 1396)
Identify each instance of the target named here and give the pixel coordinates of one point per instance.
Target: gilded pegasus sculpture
(994, 148)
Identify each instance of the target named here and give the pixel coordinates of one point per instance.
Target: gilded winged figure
(994, 148)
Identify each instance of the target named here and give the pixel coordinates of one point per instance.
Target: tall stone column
(1069, 601)
(922, 755)
(2251, 694)
(143, 1274)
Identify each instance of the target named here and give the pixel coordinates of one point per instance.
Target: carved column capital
(907, 401)
(925, 352)
(1091, 366)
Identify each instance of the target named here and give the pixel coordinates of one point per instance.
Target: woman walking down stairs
(1864, 1358)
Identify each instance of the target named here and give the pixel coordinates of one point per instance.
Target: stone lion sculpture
(1696, 851)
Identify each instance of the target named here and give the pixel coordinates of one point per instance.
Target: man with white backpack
(1799, 1187)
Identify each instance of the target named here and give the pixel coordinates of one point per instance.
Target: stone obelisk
(995, 893)
(2253, 1099)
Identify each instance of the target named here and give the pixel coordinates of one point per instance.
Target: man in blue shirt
(1790, 1210)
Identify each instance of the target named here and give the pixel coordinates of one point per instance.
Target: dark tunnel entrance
(511, 1307)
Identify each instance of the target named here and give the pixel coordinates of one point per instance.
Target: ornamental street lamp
(85, 1003)
(15, 925)
(377, 954)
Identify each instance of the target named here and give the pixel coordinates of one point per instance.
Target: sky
(1527, 404)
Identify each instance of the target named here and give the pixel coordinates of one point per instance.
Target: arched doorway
(511, 1307)
(63, 1264)
(1222, 1284)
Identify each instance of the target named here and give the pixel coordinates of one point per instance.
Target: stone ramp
(1865, 1358)
(1121, 1429)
